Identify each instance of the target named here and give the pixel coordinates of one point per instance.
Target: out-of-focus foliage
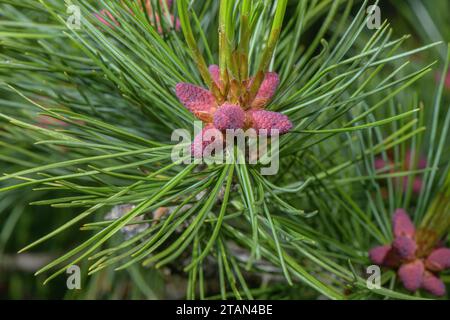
(353, 94)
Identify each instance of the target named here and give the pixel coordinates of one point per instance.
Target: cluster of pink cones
(415, 272)
(104, 15)
(220, 116)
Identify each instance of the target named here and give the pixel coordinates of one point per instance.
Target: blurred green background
(20, 223)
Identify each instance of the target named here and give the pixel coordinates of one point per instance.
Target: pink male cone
(229, 116)
(438, 260)
(378, 254)
(197, 100)
(269, 120)
(402, 224)
(267, 90)
(433, 284)
(411, 275)
(405, 247)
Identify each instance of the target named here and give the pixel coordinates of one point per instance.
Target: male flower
(414, 271)
(221, 116)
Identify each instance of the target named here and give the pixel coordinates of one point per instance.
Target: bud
(378, 254)
(229, 116)
(402, 224)
(438, 260)
(199, 101)
(270, 120)
(433, 284)
(411, 275)
(405, 247)
(267, 90)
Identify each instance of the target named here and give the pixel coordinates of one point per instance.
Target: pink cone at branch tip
(414, 271)
(433, 284)
(269, 120)
(229, 116)
(209, 135)
(411, 275)
(199, 101)
(225, 115)
(438, 260)
(402, 224)
(405, 247)
(378, 254)
(267, 90)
